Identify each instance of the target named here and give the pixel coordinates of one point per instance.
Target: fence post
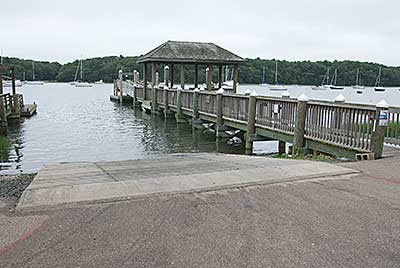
(251, 123)
(298, 139)
(154, 95)
(179, 114)
(220, 130)
(379, 129)
(120, 86)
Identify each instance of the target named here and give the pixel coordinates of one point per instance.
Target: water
(81, 124)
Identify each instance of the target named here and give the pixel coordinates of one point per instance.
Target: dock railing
(350, 127)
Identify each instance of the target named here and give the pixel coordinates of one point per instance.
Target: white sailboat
(277, 87)
(81, 82)
(263, 81)
(73, 83)
(333, 85)
(228, 83)
(358, 85)
(34, 82)
(378, 86)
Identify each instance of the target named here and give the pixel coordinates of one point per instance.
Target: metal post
(251, 123)
(379, 129)
(298, 139)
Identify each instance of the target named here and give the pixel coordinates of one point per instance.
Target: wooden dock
(28, 110)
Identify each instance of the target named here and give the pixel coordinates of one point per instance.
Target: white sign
(383, 118)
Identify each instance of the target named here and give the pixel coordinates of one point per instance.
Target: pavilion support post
(219, 76)
(172, 75)
(120, 85)
(235, 78)
(154, 96)
(209, 76)
(379, 130)
(3, 117)
(179, 113)
(145, 81)
(182, 70)
(298, 138)
(153, 74)
(196, 75)
(251, 123)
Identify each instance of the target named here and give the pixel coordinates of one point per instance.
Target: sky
(60, 30)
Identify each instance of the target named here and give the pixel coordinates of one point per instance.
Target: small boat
(100, 82)
(378, 87)
(8, 83)
(277, 87)
(228, 83)
(323, 86)
(34, 82)
(333, 85)
(359, 91)
(83, 84)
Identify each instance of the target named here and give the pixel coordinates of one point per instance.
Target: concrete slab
(77, 183)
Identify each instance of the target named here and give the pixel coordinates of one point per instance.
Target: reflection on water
(81, 124)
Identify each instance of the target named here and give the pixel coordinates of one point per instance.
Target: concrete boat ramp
(72, 184)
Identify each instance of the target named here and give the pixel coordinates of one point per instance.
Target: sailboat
(276, 86)
(333, 85)
(81, 82)
(263, 82)
(228, 84)
(34, 82)
(358, 86)
(73, 83)
(325, 79)
(378, 86)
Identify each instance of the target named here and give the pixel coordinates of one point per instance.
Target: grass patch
(4, 148)
(314, 157)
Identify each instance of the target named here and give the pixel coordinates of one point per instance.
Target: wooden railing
(276, 114)
(7, 102)
(347, 126)
(344, 125)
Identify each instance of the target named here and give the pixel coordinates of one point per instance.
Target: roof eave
(190, 61)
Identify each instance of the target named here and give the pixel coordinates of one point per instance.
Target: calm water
(81, 124)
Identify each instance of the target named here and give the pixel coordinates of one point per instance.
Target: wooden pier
(12, 106)
(344, 130)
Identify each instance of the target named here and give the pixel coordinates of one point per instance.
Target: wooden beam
(172, 75)
(220, 76)
(235, 78)
(182, 76)
(196, 75)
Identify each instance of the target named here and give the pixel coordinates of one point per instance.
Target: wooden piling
(220, 76)
(166, 102)
(172, 75)
(251, 123)
(145, 81)
(196, 75)
(182, 69)
(179, 113)
(220, 131)
(166, 75)
(120, 77)
(298, 138)
(3, 117)
(154, 99)
(281, 147)
(235, 78)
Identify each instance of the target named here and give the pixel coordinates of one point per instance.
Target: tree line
(290, 72)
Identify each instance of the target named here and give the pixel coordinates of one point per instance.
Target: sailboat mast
(357, 76)
(81, 71)
(33, 71)
(276, 72)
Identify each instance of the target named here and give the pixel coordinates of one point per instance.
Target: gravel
(12, 186)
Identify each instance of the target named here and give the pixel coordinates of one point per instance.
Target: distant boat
(73, 83)
(378, 86)
(99, 82)
(81, 82)
(8, 83)
(263, 82)
(358, 79)
(323, 86)
(277, 87)
(333, 85)
(34, 82)
(228, 83)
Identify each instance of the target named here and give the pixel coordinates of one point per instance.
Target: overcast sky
(61, 30)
